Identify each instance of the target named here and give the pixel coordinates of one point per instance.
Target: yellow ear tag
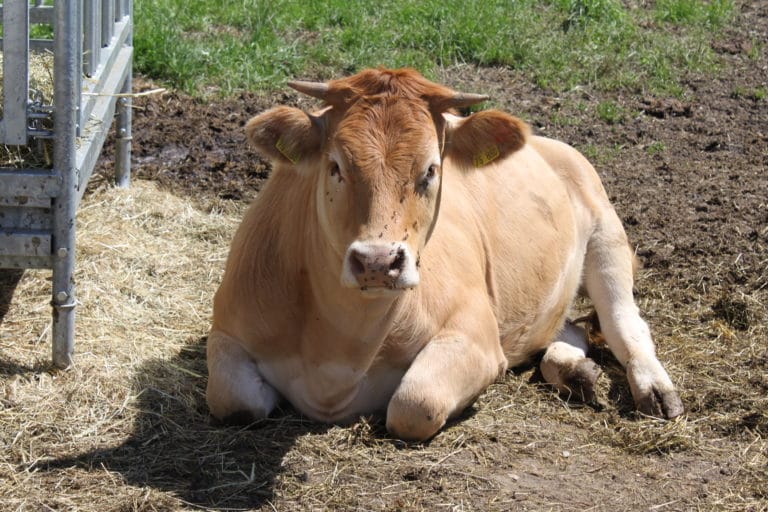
(486, 156)
(292, 156)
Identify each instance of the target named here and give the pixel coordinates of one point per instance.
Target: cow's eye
(335, 171)
(426, 178)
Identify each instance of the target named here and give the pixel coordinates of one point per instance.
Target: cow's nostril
(355, 263)
(399, 262)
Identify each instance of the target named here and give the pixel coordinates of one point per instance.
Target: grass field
(201, 46)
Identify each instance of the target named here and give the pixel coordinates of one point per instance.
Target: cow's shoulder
(574, 170)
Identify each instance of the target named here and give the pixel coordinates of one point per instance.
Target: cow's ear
(484, 137)
(285, 134)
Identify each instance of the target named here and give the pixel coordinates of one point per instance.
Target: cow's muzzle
(375, 265)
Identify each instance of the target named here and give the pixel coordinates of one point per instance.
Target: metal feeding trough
(92, 52)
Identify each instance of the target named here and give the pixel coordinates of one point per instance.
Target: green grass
(755, 94)
(610, 112)
(655, 148)
(231, 45)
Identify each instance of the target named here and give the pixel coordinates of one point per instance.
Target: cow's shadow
(9, 279)
(174, 447)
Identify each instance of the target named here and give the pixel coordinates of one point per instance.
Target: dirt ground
(688, 177)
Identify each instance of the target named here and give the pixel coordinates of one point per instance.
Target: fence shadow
(175, 448)
(9, 280)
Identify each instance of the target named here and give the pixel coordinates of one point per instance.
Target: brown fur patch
(405, 83)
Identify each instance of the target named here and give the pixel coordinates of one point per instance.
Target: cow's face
(375, 156)
(378, 195)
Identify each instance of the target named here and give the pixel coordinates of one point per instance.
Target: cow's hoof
(661, 404)
(654, 393)
(580, 380)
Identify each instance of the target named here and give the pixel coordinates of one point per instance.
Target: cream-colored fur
(500, 251)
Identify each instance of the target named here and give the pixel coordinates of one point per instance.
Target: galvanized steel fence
(92, 55)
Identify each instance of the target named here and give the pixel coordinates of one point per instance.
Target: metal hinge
(40, 116)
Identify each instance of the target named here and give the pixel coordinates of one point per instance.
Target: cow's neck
(340, 324)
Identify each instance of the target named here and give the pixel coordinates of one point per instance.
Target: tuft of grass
(754, 94)
(230, 45)
(610, 112)
(655, 148)
(712, 14)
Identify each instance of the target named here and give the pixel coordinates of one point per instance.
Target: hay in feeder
(37, 154)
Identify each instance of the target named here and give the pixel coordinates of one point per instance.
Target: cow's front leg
(236, 391)
(449, 373)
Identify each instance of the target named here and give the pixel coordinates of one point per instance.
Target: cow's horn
(465, 99)
(315, 89)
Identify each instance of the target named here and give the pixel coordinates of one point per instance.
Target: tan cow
(401, 258)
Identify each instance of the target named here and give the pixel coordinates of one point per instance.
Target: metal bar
(13, 130)
(109, 54)
(77, 7)
(107, 20)
(92, 35)
(124, 114)
(39, 14)
(67, 69)
(25, 203)
(30, 182)
(22, 262)
(101, 117)
(25, 243)
(36, 45)
(124, 137)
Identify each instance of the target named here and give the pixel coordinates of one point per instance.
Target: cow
(400, 258)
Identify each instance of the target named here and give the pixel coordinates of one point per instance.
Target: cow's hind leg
(236, 392)
(608, 276)
(566, 366)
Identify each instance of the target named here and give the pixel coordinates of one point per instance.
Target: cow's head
(376, 154)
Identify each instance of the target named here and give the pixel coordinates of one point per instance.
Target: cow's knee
(414, 415)
(566, 367)
(236, 391)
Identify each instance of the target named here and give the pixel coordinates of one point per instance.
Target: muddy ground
(688, 177)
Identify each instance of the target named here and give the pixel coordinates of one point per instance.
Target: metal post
(107, 20)
(92, 36)
(124, 136)
(124, 113)
(66, 68)
(15, 71)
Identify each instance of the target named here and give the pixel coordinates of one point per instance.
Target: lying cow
(401, 257)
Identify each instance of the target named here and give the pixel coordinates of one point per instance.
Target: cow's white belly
(331, 391)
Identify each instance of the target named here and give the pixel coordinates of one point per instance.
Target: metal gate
(92, 55)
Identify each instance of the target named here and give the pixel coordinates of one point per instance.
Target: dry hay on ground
(127, 427)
